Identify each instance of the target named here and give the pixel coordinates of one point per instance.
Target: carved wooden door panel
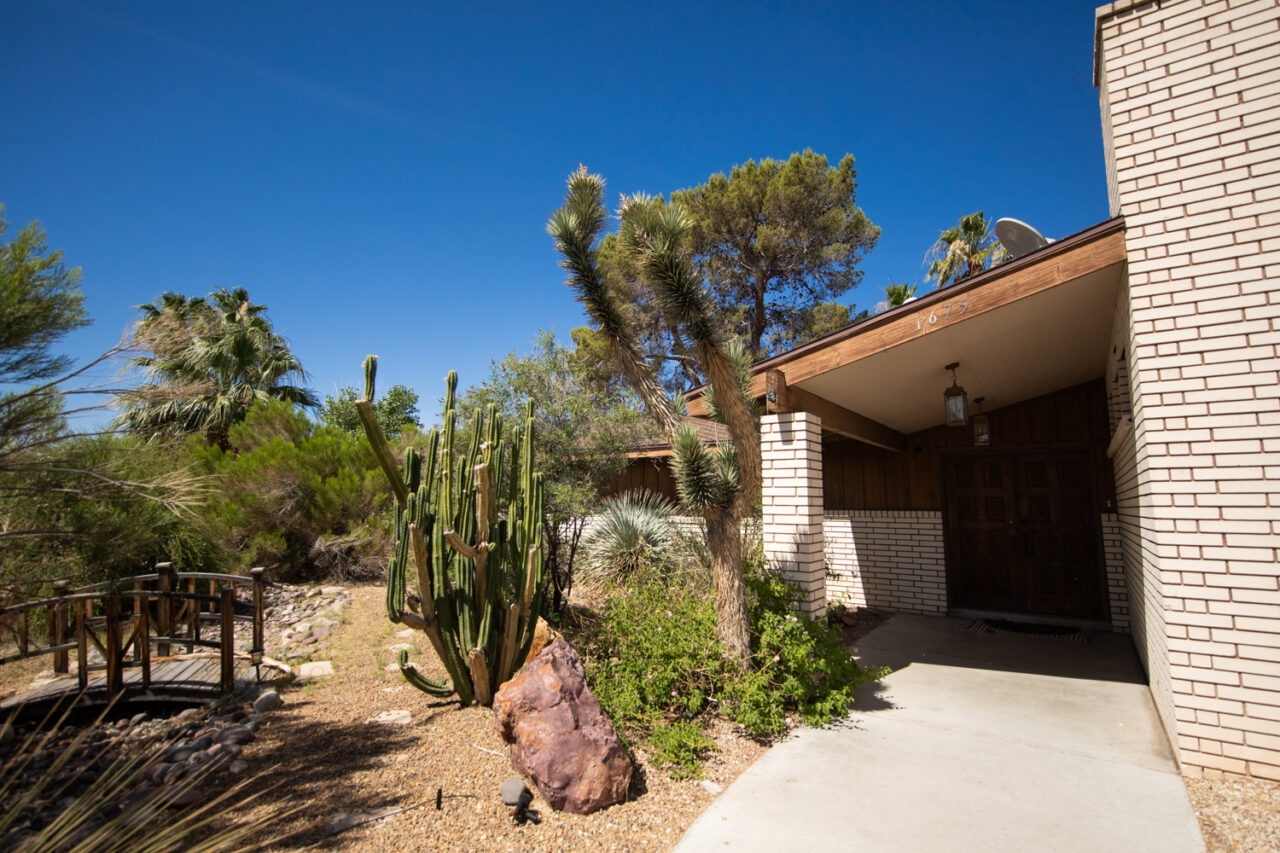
(1021, 535)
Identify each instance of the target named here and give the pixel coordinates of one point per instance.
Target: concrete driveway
(992, 742)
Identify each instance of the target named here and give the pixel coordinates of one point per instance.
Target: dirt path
(331, 758)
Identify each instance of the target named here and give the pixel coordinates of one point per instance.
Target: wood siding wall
(860, 477)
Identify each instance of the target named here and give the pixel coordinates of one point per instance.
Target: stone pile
(299, 620)
(173, 755)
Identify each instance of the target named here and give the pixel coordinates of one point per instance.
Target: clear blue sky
(380, 174)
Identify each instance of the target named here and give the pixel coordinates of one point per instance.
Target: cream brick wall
(1113, 557)
(886, 558)
(1191, 91)
(791, 457)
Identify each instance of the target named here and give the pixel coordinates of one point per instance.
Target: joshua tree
(966, 248)
(721, 484)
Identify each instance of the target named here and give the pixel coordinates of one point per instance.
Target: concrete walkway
(989, 742)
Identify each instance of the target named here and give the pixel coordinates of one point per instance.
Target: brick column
(791, 451)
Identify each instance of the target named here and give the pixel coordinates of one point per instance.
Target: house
(1130, 377)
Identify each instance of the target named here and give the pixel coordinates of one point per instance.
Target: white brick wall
(791, 457)
(1113, 556)
(1191, 91)
(886, 558)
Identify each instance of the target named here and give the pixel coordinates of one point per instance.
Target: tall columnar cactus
(478, 568)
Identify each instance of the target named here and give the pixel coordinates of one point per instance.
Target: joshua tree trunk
(724, 541)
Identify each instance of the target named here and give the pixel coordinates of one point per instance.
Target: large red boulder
(559, 736)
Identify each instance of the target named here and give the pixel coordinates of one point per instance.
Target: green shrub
(655, 665)
(306, 500)
(681, 747)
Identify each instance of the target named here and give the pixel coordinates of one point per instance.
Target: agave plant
(634, 531)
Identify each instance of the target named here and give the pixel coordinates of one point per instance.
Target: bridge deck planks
(170, 679)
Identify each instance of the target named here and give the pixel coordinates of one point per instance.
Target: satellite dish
(1019, 237)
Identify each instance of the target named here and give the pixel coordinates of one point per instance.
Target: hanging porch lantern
(981, 426)
(956, 400)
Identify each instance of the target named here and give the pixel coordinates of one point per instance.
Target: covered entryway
(1022, 534)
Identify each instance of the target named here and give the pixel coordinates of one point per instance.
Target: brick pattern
(791, 457)
(1113, 557)
(1192, 95)
(886, 558)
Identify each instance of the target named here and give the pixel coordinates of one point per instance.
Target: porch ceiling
(1045, 341)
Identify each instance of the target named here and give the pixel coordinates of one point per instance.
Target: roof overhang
(1028, 327)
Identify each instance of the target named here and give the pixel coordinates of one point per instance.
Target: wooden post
(195, 608)
(24, 632)
(115, 650)
(142, 639)
(82, 643)
(164, 612)
(58, 627)
(228, 642)
(259, 603)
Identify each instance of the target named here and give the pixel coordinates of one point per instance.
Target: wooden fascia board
(969, 302)
(1096, 249)
(780, 397)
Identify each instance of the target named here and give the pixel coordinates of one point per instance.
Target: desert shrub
(657, 669)
(303, 499)
(633, 532)
(96, 529)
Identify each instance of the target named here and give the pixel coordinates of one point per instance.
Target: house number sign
(941, 314)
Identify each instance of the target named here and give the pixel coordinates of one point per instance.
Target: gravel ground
(347, 769)
(1237, 815)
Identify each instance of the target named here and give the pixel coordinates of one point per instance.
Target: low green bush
(655, 666)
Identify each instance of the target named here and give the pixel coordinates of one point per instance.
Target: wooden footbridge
(164, 637)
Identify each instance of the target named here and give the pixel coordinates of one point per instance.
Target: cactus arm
(370, 376)
(507, 659)
(435, 688)
(381, 450)
(480, 677)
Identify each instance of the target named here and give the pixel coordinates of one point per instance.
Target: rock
(333, 590)
(559, 736)
(711, 787)
(407, 632)
(269, 701)
(202, 743)
(392, 718)
(315, 669)
(542, 635)
(188, 797)
(237, 767)
(236, 734)
(400, 647)
(187, 714)
(513, 789)
(137, 718)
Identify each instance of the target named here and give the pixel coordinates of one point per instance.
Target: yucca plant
(721, 484)
(471, 524)
(633, 530)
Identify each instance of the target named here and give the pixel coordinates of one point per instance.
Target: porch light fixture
(956, 400)
(981, 426)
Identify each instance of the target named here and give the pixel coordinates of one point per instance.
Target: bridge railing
(163, 609)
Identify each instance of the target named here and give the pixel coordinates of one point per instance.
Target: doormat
(1029, 629)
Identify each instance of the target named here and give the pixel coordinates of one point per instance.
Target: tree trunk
(724, 541)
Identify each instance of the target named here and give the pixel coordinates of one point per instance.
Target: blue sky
(380, 174)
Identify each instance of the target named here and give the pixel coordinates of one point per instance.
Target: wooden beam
(781, 397)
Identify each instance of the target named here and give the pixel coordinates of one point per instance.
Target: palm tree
(210, 361)
(898, 294)
(966, 248)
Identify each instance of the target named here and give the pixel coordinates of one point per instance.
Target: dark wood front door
(1022, 534)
